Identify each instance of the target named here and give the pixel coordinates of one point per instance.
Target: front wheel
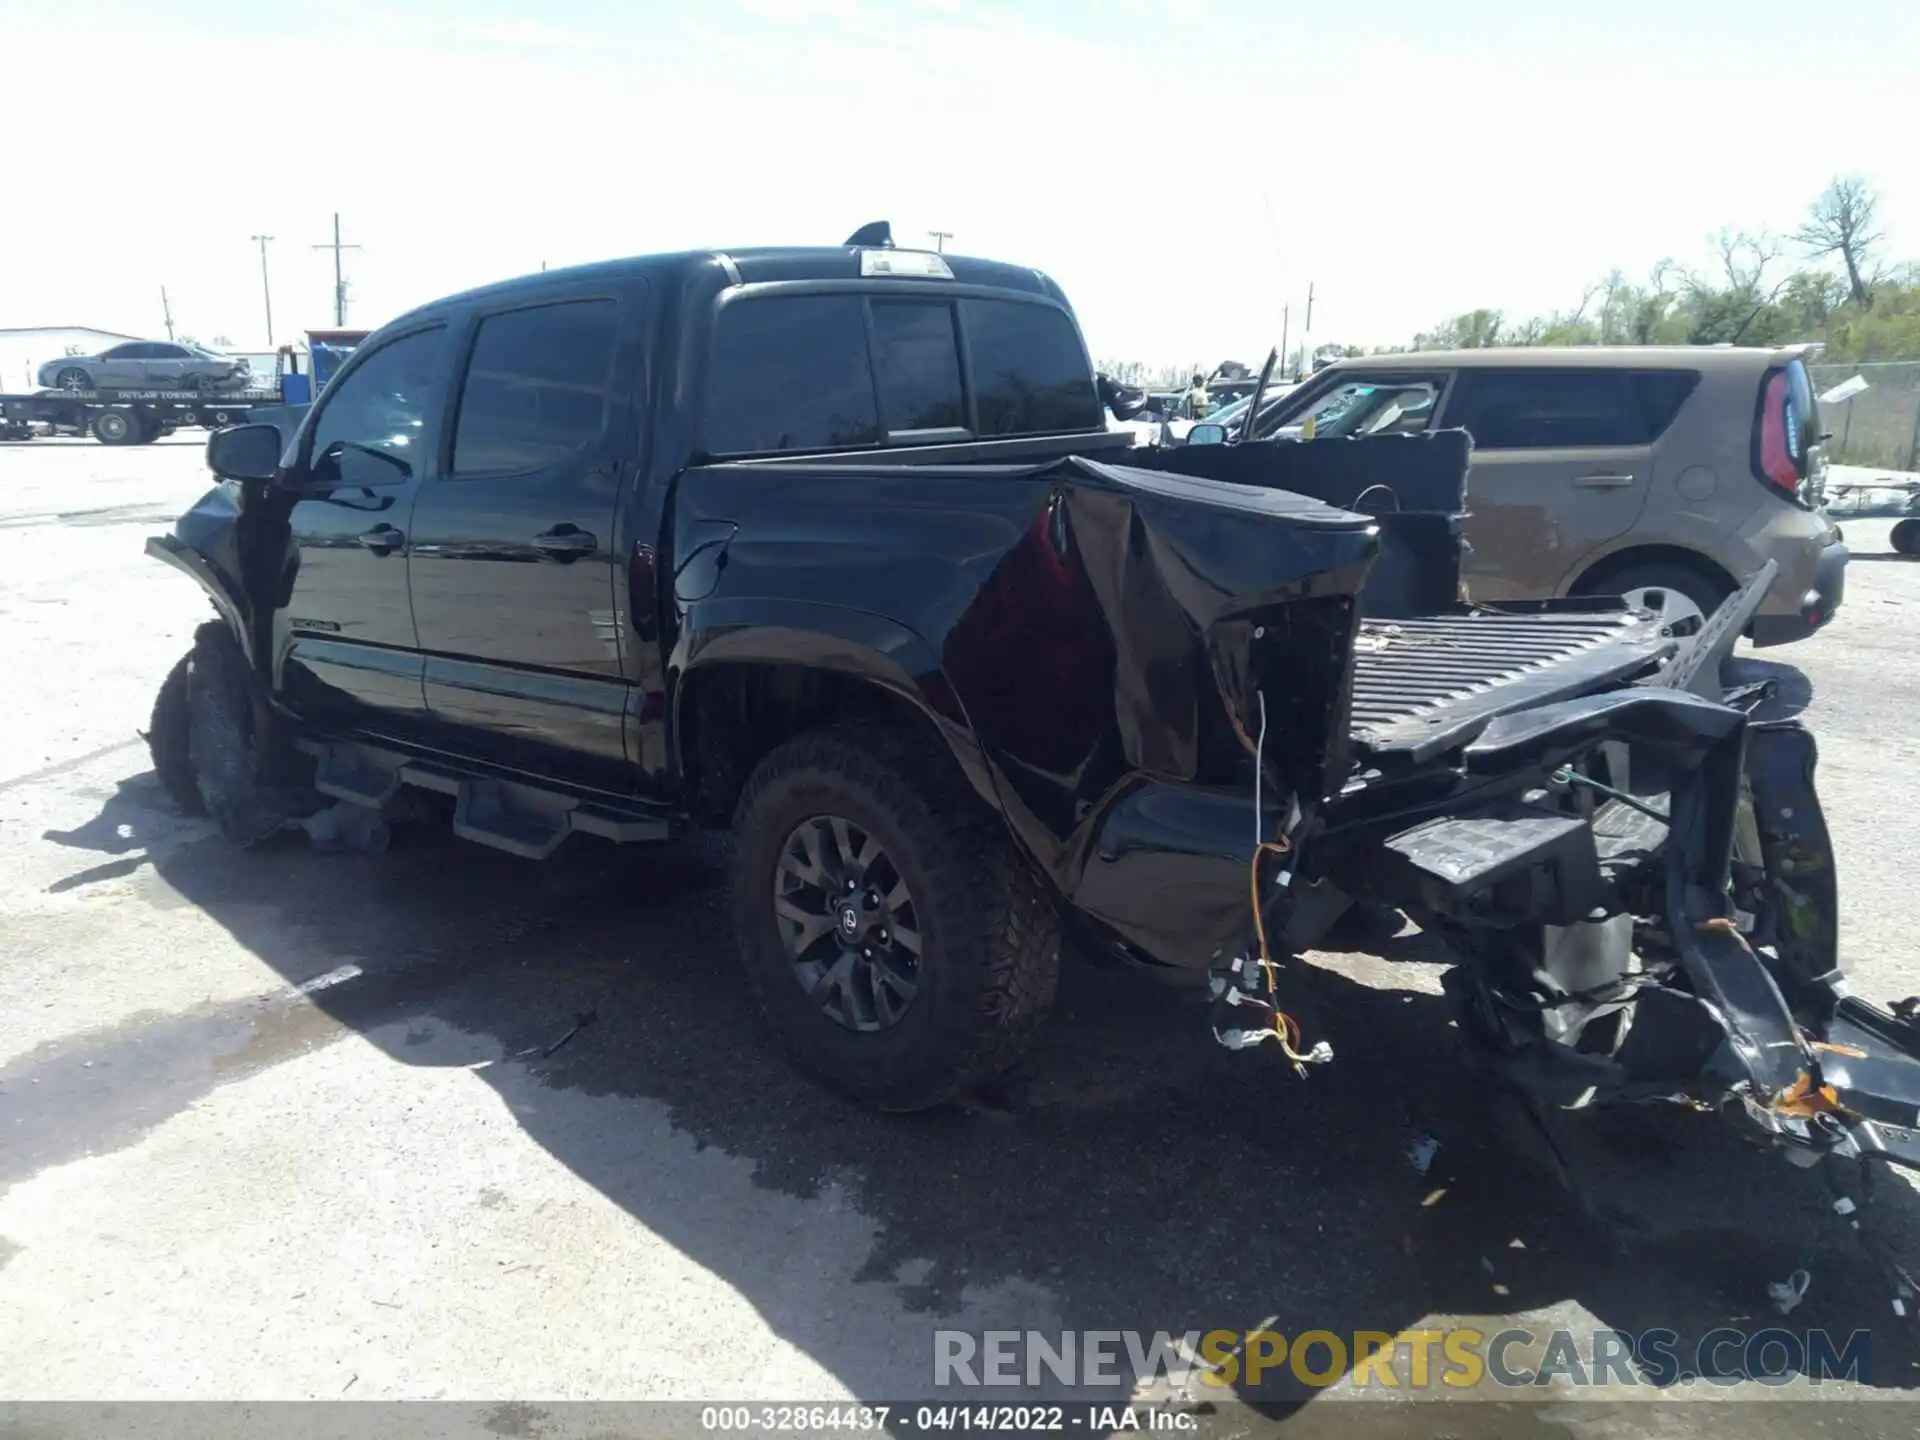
(73, 378)
(899, 945)
(168, 740)
(247, 773)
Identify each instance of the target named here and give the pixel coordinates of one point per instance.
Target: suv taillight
(1774, 460)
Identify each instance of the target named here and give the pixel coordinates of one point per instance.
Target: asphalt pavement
(443, 1124)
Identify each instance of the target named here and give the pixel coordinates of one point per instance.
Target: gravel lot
(213, 1185)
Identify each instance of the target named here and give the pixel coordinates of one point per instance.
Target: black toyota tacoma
(833, 546)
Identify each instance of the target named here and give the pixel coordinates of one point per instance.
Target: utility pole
(1286, 320)
(1306, 335)
(166, 310)
(339, 280)
(266, 289)
(940, 238)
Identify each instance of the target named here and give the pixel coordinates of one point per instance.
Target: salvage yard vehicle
(146, 365)
(833, 546)
(1669, 474)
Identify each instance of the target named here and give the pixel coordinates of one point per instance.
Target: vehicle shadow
(1792, 690)
(1133, 1176)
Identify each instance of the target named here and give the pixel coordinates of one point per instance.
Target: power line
(266, 288)
(339, 279)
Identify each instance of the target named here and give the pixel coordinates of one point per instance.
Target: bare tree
(1840, 222)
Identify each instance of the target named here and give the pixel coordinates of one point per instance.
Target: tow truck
(139, 417)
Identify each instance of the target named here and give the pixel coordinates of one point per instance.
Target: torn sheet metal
(1091, 637)
(1167, 603)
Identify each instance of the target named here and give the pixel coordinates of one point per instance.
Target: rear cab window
(790, 372)
(916, 366)
(798, 373)
(1030, 370)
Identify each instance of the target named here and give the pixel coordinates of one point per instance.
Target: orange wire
(1285, 1027)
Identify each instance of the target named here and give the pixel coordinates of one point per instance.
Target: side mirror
(245, 452)
(1207, 433)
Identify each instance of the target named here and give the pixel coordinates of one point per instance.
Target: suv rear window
(1029, 370)
(1566, 409)
(790, 373)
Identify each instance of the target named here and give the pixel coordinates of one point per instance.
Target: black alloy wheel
(847, 918)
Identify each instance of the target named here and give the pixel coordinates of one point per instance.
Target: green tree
(1840, 222)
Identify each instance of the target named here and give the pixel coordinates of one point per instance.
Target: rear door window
(1030, 372)
(1556, 409)
(536, 387)
(916, 361)
(790, 373)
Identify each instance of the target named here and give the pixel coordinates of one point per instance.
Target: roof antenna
(878, 234)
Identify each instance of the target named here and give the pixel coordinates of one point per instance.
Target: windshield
(1357, 407)
(1230, 412)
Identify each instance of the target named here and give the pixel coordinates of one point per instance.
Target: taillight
(1774, 462)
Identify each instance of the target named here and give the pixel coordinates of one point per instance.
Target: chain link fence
(1881, 425)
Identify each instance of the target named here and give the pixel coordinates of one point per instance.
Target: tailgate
(1421, 687)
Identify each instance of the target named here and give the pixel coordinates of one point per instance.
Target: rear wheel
(1683, 598)
(115, 427)
(249, 776)
(1905, 537)
(900, 947)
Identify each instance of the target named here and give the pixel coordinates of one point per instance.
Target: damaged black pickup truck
(833, 546)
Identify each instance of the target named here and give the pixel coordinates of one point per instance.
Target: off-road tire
(168, 740)
(991, 934)
(249, 776)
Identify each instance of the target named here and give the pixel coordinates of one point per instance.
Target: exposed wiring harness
(1234, 990)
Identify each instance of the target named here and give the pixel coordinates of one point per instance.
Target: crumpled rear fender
(1104, 635)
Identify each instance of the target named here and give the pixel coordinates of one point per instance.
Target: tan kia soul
(1668, 474)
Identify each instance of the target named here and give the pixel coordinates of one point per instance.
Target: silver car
(145, 365)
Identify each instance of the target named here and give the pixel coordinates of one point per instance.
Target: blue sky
(1183, 168)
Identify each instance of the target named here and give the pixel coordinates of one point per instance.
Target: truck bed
(1421, 687)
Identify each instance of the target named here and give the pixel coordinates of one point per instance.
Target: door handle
(565, 542)
(382, 539)
(1604, 482)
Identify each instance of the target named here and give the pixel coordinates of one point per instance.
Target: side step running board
(509, 815)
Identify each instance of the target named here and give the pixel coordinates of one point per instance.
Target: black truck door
(513, 567)
(344, 645)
